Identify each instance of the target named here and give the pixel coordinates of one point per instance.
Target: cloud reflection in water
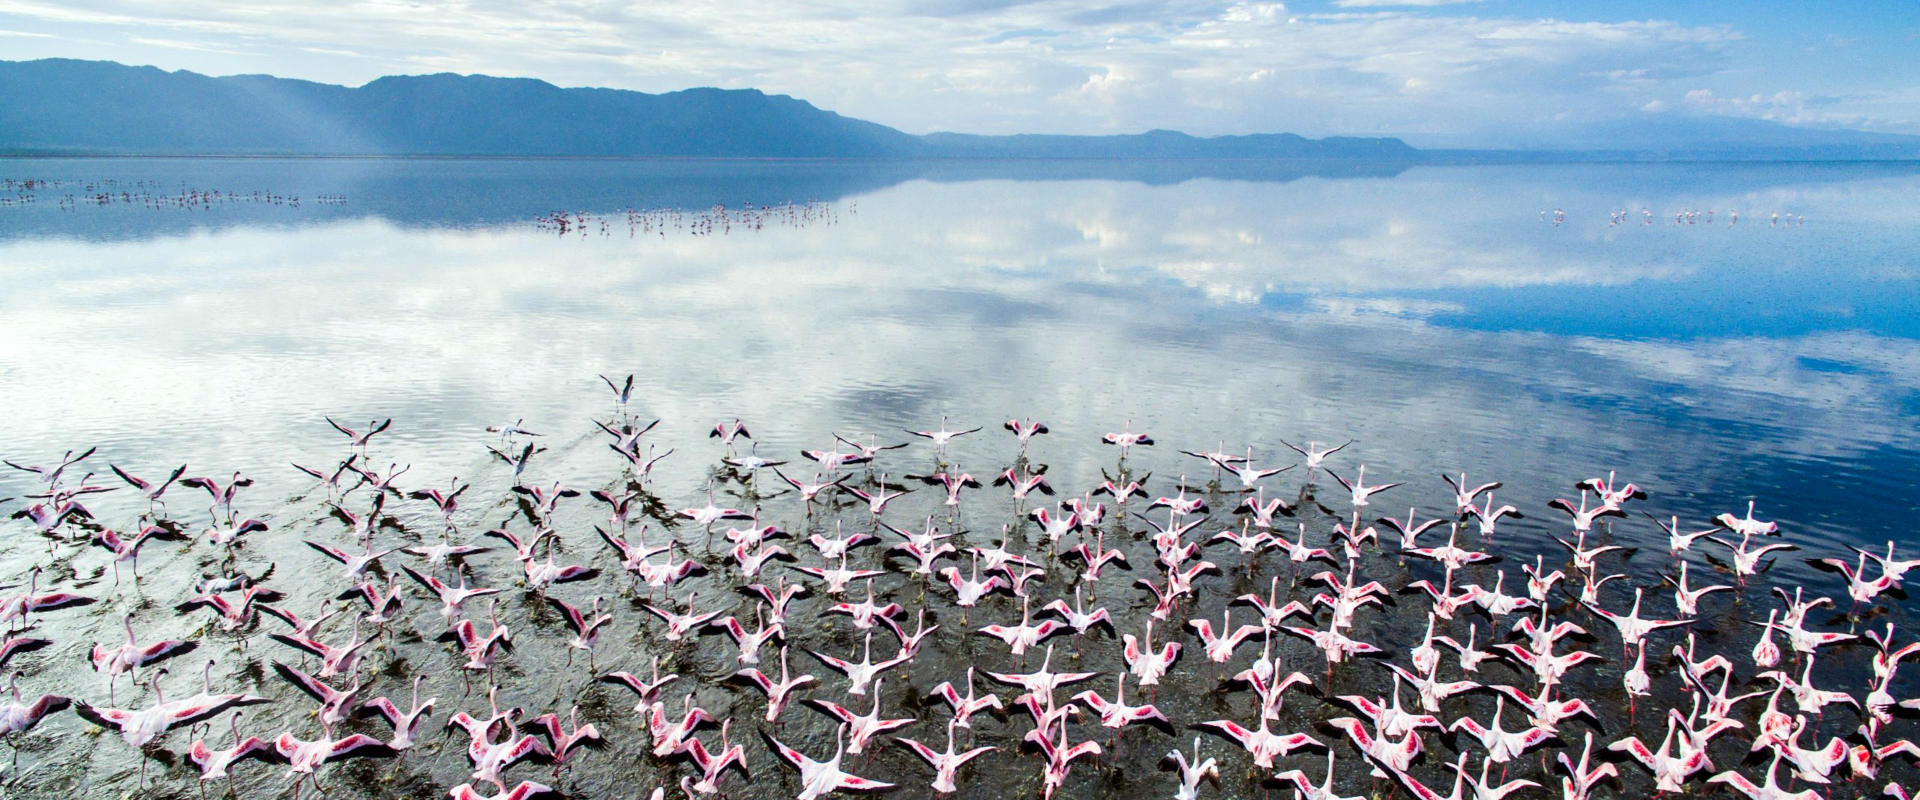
(1206, 309)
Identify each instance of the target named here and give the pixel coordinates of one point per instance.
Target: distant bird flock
(871, 616)
(717, 220)
(72, 195)
(1685, 216)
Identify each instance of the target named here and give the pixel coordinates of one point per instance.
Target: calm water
(1428, 314)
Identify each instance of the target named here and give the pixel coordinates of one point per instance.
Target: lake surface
(191, 311)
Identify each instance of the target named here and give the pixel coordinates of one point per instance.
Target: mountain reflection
(1430, 315)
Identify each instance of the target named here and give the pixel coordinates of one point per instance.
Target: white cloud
(200, 47)
(189, 380)
(1067, 66)
(1790, 107)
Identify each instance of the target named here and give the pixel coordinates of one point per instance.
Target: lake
(1536, 325)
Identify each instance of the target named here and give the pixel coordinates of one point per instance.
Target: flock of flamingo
(1685, 216)
(1000, 639)
(74, 194)
(718, 220)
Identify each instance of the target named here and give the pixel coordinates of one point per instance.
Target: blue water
(1427, 313)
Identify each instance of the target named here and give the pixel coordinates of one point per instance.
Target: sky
(1436, 72)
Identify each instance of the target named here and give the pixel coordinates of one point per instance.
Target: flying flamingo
(945, 765)
(822, 777)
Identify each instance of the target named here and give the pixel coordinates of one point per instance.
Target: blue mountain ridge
(63, 107)
(73, 107)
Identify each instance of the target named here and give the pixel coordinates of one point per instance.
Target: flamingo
(952, 483)
(1025, 431)
(586, 626)
(622, 392)
(1060, 757)
(214, 763)
(1042, 682)
(1077, 616)
(714, 767)
(1502, 745)
(726, 432)
(524, 790)
(360, 439)
(969, 591)
(965, 707)
(448, 502)
(861, 727)
(822, 777)
(1314, 455)
(1463, 494)
(862, 673)
(1115, 714)
(1766, 791)
(111, 661)
(1025, 635)
(479, 649)
(1488, 516)
(222, 494)
(1262, 509)
(1670, 771)
(1147, 662)
(942, 436)
(1304, 789)
(1632, 628)
(140, 727)
(333, 660)
(1127, 440)
(20, 715)
(405, 724)
(1391, 719)
(671, 737)
(451, 597)
(779, 693)
(1858, 587)
(1747, 526)
(1359, 488)
(149, 490)
(1220, 646)
(679, 625)
(336, 705)
(1193, 771)
(488, 757)
(1263, 744)
(648, 690)
(946, 765)
(563, 739)
(750, 642)
(356, 564)
(331, 480)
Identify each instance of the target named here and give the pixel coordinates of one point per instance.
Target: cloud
(200, 47)
(1790, 107)
(467, 336)
(987, 66)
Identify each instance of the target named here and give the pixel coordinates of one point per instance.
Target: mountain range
(61, 106)
(71, 107)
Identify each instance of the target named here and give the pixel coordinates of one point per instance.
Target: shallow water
(1428, 314)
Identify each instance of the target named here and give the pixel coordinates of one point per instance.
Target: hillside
(60, 106)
